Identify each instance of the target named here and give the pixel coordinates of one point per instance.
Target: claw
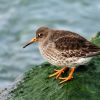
(58, 72)
(69, 77)
(55, 70)
(65, 79)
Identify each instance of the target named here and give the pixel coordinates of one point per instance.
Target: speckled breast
(54, 57)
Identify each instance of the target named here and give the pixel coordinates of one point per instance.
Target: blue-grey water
(20, 18)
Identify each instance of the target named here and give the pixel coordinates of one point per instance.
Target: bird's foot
(67, 78)
(58, 73)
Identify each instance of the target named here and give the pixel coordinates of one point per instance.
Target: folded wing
(76, 45)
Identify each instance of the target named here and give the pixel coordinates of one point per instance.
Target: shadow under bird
(64, 48)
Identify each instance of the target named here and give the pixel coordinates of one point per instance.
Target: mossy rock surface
(96, 39)
(37, 86)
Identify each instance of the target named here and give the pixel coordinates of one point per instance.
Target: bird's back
(69, 41)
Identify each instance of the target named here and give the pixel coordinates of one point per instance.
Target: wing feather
(77, 45)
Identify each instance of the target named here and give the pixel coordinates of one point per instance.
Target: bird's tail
(93, 54)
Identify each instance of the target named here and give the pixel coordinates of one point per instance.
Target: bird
(64, 48)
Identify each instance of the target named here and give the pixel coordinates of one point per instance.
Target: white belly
(83, 61)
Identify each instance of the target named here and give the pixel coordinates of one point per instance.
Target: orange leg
(70, 76)
(58, 72)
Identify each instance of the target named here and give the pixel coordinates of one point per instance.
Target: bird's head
(41, 34)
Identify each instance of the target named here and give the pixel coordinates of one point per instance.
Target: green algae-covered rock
(37, 86)
(96, 39)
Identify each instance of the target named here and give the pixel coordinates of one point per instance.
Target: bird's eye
(40, 35)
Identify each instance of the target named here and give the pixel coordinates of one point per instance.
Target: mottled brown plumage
(64, 48)
(66, 40)
(79, 46)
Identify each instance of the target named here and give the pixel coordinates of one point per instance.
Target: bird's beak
(30, 42)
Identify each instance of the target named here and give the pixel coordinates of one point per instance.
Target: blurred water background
(20, 18)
